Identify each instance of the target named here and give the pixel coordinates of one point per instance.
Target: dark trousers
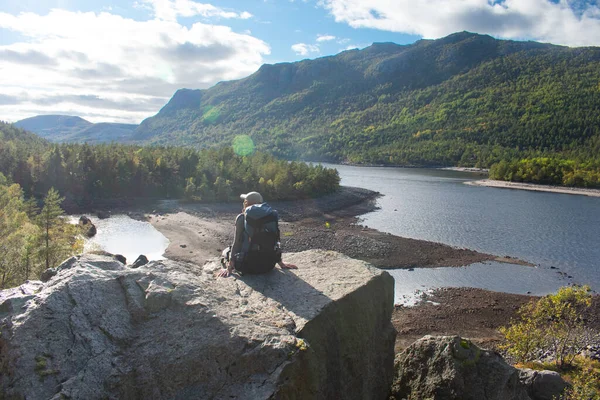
(253, 262)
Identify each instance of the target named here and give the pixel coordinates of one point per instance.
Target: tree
(48, 220)
(16, 232)
(554, 323)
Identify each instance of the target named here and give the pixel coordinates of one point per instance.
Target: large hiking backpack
(260, 247)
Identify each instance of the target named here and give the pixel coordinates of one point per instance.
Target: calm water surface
(123, 235)
(547, 229)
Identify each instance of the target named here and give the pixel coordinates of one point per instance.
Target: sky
(121, 61)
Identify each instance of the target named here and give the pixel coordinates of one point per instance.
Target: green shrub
(552, 324)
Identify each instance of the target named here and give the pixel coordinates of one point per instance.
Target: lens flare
(210, 114)
(243, 145)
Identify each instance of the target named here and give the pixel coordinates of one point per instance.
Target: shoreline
(535, 187)
(481, 171)
(197, 232)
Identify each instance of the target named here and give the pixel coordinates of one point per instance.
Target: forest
(85, 173)
(32, 239)
(548, 171)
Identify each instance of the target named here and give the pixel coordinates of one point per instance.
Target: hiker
(255, 248)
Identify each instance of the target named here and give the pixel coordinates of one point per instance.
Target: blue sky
(122, 60)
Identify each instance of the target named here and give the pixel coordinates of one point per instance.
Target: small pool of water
(123, 235)
(494, 276)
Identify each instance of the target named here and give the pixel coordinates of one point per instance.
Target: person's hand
(224, 273)
(287, 266)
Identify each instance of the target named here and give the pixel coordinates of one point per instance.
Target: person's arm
(238, 238)
(283, 265)
(280, 262)
(236, 247)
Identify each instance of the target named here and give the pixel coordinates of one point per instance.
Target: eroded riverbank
(467, 312)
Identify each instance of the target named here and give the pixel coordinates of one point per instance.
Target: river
(560, 233)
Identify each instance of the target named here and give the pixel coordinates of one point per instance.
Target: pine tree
(48, 219)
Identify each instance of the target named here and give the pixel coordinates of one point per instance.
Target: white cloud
(107, 67)
(304, 49)
(325, 38)
(542, 20)
(169, 10)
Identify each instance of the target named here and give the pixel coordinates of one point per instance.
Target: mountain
(104, 132)
(52, 127)
(464, 99)
(65, 128)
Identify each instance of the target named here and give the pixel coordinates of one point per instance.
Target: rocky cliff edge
(171, 330)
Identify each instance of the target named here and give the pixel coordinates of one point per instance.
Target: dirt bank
(473, 313)
(200, 231)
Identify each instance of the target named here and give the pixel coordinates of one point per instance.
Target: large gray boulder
(543, 385)
(449, 367)
(169, 330)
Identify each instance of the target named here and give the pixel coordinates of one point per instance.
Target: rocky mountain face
(65, 128)
(168, 330)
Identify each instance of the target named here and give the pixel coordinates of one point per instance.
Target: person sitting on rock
(255, 248)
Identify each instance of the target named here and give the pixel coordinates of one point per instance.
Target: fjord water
(547, 229)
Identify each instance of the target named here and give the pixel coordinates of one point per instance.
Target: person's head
(251, 198)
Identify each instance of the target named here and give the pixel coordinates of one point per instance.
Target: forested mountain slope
(466, 99)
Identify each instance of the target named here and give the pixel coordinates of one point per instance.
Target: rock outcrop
(542, 385)
(453, 368)
(168, 330)
(141, 260)
(88, 227)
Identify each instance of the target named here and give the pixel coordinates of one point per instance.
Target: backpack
(260, 247)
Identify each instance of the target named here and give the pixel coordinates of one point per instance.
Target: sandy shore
(534, 187)
(482, 171)
(198, 231)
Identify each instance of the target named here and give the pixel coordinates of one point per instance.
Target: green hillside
(466, 99)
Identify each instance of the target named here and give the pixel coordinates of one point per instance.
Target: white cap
(252, 197)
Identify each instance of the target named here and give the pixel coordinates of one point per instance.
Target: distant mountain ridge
(66, 128)
(464, 99)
